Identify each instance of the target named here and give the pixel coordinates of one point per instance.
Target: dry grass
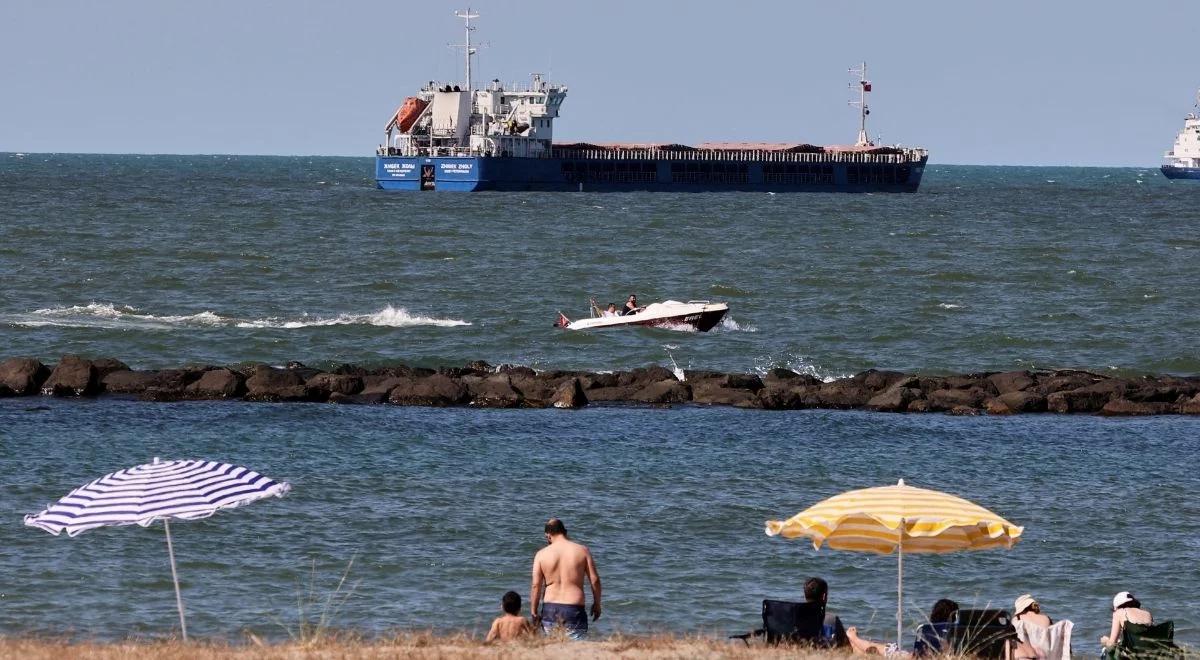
(416, 646)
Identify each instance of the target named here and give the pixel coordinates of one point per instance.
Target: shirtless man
(560, 568)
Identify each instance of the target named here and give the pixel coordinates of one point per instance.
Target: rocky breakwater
(481, 385)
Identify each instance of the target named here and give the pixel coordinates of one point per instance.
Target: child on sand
(510, 625)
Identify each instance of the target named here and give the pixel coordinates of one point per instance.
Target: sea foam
(112, 316)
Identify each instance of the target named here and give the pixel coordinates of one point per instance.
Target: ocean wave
(111, 316)
(389, 317)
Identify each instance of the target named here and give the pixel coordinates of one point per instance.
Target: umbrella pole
(900, 587)
(175, 579)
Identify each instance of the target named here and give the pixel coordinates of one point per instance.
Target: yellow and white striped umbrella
(869, 520)
(899, 519)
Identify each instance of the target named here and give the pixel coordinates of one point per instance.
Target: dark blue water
(167, 260)
(164, 259)
(441, 511)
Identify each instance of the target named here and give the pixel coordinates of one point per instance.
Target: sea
(414, 519)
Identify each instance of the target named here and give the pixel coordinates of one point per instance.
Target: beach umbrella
(162, 490)
(900, 519)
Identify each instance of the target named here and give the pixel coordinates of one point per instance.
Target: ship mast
(466, 46)
(864, 86)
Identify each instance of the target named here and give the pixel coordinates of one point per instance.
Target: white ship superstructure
(1183, 160)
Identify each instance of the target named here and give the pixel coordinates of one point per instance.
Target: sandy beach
(422, 647)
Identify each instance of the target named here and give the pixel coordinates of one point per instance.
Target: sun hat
(1122, 598)
(1023, 602)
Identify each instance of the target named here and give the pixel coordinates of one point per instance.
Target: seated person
(510, 625)
(1038, 638)
(930, 636)
(611, 310)
(1126, 609)
(631, 306)
(833, 634)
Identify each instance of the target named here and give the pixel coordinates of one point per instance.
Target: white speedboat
(699, 315)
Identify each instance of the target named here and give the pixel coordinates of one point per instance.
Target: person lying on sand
(510, 625)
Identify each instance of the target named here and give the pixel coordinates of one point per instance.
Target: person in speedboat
(611, 310)
(631, 306)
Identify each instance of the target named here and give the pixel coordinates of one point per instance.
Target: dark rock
(1127, 408)
(569, 395)
(106, 366)
(480, 367)
(1023, 401)
(128, 382)
(349, 370)
(964, 411)
(979, 382)
(919, 406)
(72, 376)
(1066, 380)
(495, 391)
(538, 391)
(269, 384)
(878, 380)
(218, 384)
(596, 381)
(294, 364)
(663, 391)
(363, 398)
(778, 395)
(1012, 381)
(1191, 407)
(844, 393)
(602, 394)
(644, 376)
(161, 394)
(894, 399)
(517, 370)
(789, 378)
(22, 376)
(948, 399)
(997, 407)
(176, 380)
(711, 392)
(432, 390)
(1084, 399)
(321, 386)
(380, 385)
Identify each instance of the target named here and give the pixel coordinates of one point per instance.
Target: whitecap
(390, 317)
(109, 315)
(727, 324)
(949, 306)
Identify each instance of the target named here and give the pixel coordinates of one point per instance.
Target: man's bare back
(559, 570)
(563, 566)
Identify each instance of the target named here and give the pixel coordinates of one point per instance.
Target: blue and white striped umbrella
(162, 490)
(148, 493)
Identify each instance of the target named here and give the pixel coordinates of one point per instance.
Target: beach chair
(1145, 641)
(981, 633)
(788, 623)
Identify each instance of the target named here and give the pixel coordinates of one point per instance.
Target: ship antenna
(864, 86)
(466, 46)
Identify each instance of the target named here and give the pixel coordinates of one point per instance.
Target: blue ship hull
(469, 174)
(1173, 172)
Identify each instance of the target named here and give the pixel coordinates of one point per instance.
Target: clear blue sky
(1015, 82)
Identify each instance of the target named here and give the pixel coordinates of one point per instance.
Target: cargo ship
(454, 137)
(1183, 160)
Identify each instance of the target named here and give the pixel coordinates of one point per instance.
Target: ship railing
(746, 155)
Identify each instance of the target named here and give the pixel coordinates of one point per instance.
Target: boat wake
(727, 324)
(124, 317)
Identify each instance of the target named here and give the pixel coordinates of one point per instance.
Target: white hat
(1122, 598)
(1024, 602)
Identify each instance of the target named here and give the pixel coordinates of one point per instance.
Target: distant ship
(1183, 160)
(500, 137)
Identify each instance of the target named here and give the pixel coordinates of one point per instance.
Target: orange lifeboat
(407, 115)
